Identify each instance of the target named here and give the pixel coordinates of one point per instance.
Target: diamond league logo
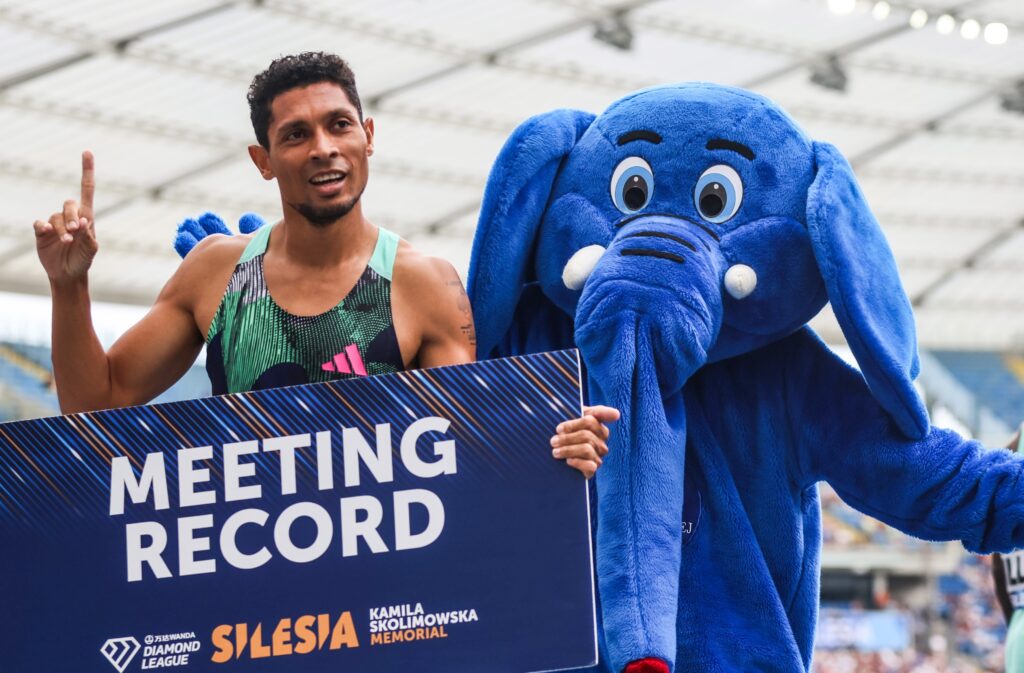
(120, 652)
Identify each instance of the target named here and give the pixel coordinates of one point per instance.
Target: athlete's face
(318, 152)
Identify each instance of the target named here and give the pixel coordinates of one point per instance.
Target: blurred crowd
(885, 661)
(973, 615)
(843, 526)
(967, 627)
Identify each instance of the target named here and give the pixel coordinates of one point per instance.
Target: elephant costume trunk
(639, 354)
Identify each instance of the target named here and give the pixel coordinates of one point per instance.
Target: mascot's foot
(649, 665)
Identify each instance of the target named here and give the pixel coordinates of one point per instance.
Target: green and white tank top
(253, 343)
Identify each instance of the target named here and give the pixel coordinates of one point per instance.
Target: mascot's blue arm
(940, 487)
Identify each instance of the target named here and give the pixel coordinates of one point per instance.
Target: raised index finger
(88, 185)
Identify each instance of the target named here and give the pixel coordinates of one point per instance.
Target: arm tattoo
(468, 329)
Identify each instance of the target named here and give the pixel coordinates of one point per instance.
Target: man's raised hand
(66, 243)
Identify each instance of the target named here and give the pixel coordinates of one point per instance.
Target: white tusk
(580, 266)
(740, 281)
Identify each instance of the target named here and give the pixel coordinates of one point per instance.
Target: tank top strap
(383, 259)
(258, 245)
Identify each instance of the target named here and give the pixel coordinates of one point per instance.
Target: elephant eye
(632, 185)
(718, 194)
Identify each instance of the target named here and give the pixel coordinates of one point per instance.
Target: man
(321, 295)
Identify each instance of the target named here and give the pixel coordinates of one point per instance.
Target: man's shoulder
(421, 273)
(206, 269)
(429, 291)
(214, 257)
(217, 250)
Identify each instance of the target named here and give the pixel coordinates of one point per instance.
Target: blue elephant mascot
(682, 240)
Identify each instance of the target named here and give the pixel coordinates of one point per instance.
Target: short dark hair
(291, 72)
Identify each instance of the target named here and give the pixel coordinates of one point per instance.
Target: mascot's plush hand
(193, 230)
(647, 666)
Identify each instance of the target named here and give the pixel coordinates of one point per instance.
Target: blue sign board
(408, 522)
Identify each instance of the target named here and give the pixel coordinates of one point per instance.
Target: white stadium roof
(157, 90)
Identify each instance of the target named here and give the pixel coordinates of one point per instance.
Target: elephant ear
(864, 289)
(512, 315)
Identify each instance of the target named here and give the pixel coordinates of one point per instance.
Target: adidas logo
(346, 362)
(120, 652)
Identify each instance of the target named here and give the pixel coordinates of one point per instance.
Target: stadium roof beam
(43, 70)
(927, 126)
(491, 56)
(851, 47)
(154, 192)
(435, 227)
(118, 45)
(976, 255)
(354, 23)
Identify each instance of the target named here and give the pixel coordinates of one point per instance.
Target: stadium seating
(996, 380)
(26, 383)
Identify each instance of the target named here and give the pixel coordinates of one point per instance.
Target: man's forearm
(80, 366)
